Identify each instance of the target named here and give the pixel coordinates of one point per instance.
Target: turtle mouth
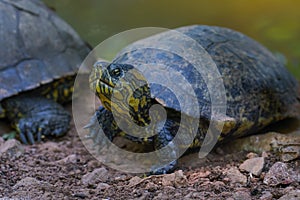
(107, 83)
(104, 88)
(99, 83)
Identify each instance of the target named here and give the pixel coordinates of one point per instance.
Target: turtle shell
(258, 89)
(36, 47)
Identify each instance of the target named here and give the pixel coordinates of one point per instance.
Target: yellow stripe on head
(55, 94)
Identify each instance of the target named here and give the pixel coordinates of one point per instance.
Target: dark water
(275, 23)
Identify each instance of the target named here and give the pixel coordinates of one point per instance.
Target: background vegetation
(275, 23)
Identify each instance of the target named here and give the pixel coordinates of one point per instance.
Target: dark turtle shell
(258, 88)
(36, 47)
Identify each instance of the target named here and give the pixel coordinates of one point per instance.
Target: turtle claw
(39, 136)
(30, 137)
(163, 170)
(93, 121)
(23, 138)
(87, 137)
(31, 130)
(89, 125)
(25, 129)
(27, 137)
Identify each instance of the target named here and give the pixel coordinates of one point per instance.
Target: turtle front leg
(162, 139)
(34, 117)
(102, 123)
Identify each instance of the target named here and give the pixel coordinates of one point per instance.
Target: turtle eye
(116, 72)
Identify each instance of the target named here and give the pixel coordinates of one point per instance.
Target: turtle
(258, 90)
(39, 57)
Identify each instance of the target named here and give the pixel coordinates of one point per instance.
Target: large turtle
(258, 88)
(39, 57)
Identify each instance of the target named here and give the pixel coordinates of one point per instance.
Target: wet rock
(98, 175)
(11, 148)
(280, 174)
(293, 195)
(236, 176)
(253, 165)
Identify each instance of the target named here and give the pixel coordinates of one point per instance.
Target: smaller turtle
(258, 89)
(39, 57)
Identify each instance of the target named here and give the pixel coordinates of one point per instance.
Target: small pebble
(151, 187)
(11, 148)
(134, 181)
(293, 195)
(264, 154)
(102, 186)
(176, 179)
(253, 165)
(280, 174)
(241, 195)
(180, 178)
(251, 155)
(99, 174)
(168, 179)
(266, 196)
(80, 195)
(29, 182)
(69, 159)
(236, 176)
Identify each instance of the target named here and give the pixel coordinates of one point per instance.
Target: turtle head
(104, 79)
(122, 88)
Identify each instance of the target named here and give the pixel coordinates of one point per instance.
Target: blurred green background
(274, 23)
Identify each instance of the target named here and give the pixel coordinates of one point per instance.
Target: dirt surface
(63, 169)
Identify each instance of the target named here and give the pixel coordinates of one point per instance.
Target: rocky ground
(64, 169)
